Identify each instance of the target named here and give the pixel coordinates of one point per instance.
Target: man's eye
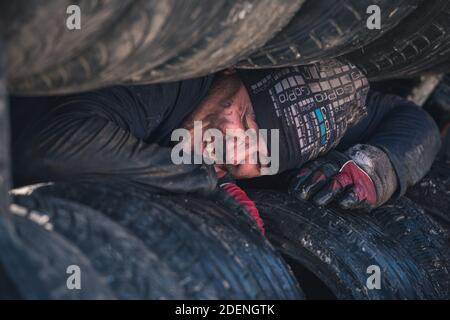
(227, 103)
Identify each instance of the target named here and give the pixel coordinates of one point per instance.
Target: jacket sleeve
(77, 143)
(405, 132)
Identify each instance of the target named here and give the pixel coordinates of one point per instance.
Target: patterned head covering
(312, 106)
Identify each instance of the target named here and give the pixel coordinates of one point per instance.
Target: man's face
(228, 108)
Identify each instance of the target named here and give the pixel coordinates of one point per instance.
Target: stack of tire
(132, 244)
(132, 40)
(129, 243)
(147, 41)
(333, 253)
(137, 245)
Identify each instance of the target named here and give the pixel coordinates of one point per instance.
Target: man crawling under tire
(336, 140)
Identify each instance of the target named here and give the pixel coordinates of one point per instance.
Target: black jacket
(123, 133)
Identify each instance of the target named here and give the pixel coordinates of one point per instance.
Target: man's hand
(362, 178)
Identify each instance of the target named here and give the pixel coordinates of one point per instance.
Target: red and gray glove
(360, 178)
(242, 199)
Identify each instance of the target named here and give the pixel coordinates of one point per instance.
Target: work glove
(360, 178)
(240, 198)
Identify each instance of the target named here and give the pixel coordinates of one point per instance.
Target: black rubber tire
(424, 240)
(432, 193)
(5, 166)
(8, 289)
(42, 39)
(217, 253)
(131, 270)
(7, 265)
(418, 44)
(326, 29)
(442, 67)
(222, 48)
(444, 154)
(152, 39)
(46, 255)
(337, 247)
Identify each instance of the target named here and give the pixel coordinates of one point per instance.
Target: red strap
(240, 196)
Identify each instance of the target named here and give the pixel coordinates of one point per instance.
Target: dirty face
(228, 108)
